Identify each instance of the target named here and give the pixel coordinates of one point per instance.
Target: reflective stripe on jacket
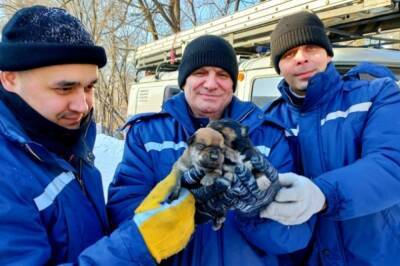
(45, 216)
(348, 135)
(155, 141)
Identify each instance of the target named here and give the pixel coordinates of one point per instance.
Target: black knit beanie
(297, 29)
(208, 50)
(41, 36)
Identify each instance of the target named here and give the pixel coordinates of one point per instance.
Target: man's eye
(224, 75)
(64, 89)
(289, 54)
(199, 73)
(89, 87)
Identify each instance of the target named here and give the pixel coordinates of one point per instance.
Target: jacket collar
(12, 130)
(320, 88)
(240, 111)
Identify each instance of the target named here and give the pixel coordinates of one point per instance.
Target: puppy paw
(232, 156)
(217, 223)
(229, 176)
(248, 165)
(175, 193)
(207, 180)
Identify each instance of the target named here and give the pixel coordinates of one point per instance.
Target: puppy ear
(244, 130)
(214, 124)
(191, 139)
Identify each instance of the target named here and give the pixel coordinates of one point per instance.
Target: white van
(150, 92)
(257, 80)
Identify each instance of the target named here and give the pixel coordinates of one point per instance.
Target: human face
(208, 90)
(299, 64)
(62, 94)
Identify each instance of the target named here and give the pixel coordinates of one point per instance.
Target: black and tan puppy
(205, 152)
(239, 148)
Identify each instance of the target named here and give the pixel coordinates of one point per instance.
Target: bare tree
(108, 22)
(120, 26)
(193, 17)
(149, 18)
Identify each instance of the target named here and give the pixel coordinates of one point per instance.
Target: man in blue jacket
(52, 205)
(207, 75)
(347, 131)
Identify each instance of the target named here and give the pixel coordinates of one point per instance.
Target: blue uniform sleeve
(133, 180)
(372, 183)
(24, 236)
(275, 238)
(268, 235)
(23, 240)
(125, 246)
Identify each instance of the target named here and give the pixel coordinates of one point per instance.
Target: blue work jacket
(46, 217)
(155, 141)
(347, 135)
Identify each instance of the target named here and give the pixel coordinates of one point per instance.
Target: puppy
(239, 148)
(205, 152)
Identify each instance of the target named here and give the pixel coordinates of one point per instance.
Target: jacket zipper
(324, 170)
(79, 177)
(245, 114)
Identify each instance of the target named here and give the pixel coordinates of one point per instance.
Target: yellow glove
(166, 227)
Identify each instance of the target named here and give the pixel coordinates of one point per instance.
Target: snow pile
(108, 152)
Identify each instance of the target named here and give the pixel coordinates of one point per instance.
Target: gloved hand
(251, 197)
(261, 164)
(211, 203)
(166, 227)
(296, 202)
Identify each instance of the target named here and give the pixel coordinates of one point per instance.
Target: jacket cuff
(331, 197)
(272, 237)
(134, 244)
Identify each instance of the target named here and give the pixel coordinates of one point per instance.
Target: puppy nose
(214, 154)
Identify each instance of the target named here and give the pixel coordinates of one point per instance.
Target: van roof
(162, 76)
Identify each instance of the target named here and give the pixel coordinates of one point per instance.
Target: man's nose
(300, 56)
(79, 101)
(211, 81)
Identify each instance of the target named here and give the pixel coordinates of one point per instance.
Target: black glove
(252, 199)
(211, 203)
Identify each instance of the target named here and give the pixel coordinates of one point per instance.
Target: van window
(265, 90)
(170, 91)
(342, 69)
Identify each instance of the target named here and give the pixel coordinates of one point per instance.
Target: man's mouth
(305, 74)
(72, 119)
(209, 95)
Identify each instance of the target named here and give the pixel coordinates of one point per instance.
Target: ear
(9, 80)
(244, 130)
(191, 139)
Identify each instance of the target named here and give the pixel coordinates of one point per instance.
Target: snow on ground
(108, 152)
